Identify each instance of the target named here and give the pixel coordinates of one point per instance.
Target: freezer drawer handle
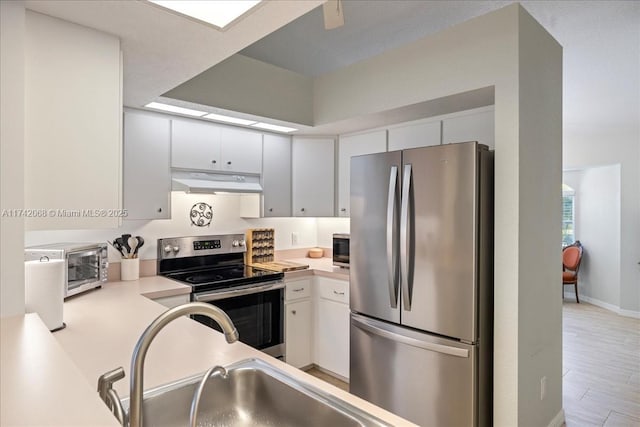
(405, 273)
(439, 348)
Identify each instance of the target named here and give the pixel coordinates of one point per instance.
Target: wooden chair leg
(576, 286)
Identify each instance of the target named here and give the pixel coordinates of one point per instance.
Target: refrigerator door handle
(369, 326)
(404, 237)
(391, 238)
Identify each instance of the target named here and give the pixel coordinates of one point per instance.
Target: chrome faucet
(140, 352)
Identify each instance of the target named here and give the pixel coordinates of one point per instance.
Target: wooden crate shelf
(260, 245)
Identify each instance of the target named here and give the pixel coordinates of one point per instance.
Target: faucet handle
(106, 380)
(109, 395)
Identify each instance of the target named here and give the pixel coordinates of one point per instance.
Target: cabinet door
(312, 162)
(333, 337)
(241, 150)
(276, 175)
(355, 145)
(472, 127)
(147, 174)
(298, 333)
(195, 145)
(414, 136)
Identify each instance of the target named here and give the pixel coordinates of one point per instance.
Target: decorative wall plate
(201, 214)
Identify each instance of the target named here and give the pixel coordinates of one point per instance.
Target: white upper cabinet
(414, 135)
(471, 127)
(211, 147)
(276, 176)
(73, 126)
(147, 174)
(241, 150)
(355, 145)
(195, 145)
(312, 162)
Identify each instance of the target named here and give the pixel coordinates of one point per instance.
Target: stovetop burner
(209, 262)
(226, 277)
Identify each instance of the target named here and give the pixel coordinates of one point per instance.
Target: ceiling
(601, 41)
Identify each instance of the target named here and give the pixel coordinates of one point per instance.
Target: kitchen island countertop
(102, 329)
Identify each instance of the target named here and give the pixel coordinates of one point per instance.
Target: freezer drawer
(428, 380)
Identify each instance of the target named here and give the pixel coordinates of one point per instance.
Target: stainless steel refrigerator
(421, 283)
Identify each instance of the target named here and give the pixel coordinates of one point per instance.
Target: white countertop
(45, 375)
(319, 267)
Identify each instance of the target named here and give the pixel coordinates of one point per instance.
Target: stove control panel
(203, 245)
(184, 247)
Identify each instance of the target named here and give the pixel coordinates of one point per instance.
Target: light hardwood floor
(601, 367)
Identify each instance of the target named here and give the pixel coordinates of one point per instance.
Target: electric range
(214, 268)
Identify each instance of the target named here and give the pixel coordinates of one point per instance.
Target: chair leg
(576, 286)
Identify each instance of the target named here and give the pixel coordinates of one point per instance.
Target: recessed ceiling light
(273, 127)
(216, 12)
(228, 119)
(174, 109)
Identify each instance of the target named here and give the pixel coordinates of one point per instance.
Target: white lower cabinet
(298, 322)
(332, 325)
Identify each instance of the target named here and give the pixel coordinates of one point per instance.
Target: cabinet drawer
(334, 290)
(298, 289)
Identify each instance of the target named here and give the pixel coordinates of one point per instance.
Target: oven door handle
(215, 296)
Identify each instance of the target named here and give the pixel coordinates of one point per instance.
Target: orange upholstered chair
(571, 257)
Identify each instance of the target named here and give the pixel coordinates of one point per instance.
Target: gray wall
(597, 211)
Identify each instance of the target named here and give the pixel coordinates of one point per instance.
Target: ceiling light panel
(174, 109)
(273, 127)
(228, 119)
(219, 13)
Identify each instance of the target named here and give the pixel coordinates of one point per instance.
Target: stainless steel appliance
(214, 268)
(341, 250)
(421, 283)
(86, 264)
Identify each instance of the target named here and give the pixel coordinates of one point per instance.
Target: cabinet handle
(298, 290)
(214, 161)
(228, 163)
(338, 293)
(302, 210)
(159, 210)
(293, 312)
(343, 210)
(270, 209)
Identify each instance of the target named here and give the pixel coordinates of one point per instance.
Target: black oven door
(257, 313)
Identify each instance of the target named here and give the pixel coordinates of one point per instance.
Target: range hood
(209, 183)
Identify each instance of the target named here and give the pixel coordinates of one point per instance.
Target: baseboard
(606, 305)
(558, 420)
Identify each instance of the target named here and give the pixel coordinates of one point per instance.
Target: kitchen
(312, 232)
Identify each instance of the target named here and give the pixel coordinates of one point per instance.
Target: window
(568, 215)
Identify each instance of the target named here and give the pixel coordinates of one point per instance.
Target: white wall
(226, 219)
(593, 147)
(12, 25)
(508, 50)
(597, 220)
(328, 226)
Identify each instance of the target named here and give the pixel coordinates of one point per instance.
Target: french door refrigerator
(421, 283)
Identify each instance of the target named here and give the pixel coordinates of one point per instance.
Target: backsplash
(226, 219)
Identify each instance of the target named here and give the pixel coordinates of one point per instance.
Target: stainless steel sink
(254, 393)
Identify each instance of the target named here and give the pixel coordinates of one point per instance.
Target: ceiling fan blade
(333, 14)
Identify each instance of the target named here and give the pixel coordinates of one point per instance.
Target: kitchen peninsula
(102, 329)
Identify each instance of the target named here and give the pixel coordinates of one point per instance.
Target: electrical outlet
(543, 388)
(294, 238)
